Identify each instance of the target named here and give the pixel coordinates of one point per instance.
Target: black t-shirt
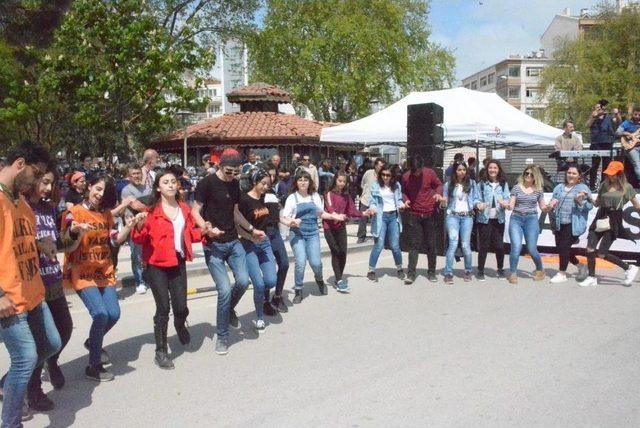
(273, 204)
(218, 199)
(255, 211)
(73, 197)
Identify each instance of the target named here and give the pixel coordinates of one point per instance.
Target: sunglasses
(306, 160)
(229, 172)
(385, 174)
(527, 174)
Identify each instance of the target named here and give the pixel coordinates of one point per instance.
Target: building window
(474, 84)
(483, 82)
(514, 92)
(467, 86)
(534, 71)
(502, 93)
(490, 78)
(536, 113)
(215, 92)
(532, 93)
(514, 71)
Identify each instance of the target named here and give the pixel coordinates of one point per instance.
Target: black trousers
(362, 224)
(490, 237)
(421, 230)
(337, 241)
(62, 319)
(606, 240)
(564, 242)
(169, 285)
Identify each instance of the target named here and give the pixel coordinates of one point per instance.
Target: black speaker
(428, 114)
(424, 136)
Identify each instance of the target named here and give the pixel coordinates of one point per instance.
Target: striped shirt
(526, 203)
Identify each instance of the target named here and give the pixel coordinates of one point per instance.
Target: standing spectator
(311, 169)
(351, 170)
(368, 178)
(134, 191)
(458, 157)
(87, 165)
(325, 174)
(149, 159)
(625, 130)
(567, 141)
(75, 194)
(422, 191)
(471, 163)
(215, 211)
(252, 162)
(27, 328)
(275, 161)
(602, 131)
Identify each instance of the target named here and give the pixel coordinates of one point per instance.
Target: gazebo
(258, 125)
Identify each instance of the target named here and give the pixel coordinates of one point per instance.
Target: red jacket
(156, 237)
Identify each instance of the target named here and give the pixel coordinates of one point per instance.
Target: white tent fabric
(468, 116)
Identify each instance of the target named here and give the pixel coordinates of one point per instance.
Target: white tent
(469, 116)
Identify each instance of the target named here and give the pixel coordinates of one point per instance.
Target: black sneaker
(500, 274)
(410, 279)
(269, 310)
(104, 356)
(279, 304)
(371, 276)
(431, 276)
(98, 373)
(55, 375)
(233, 319)
(401, 274)
(361, 240)
(448, 279)
(39, 401)
(480, 276)
(298, 297)
(322, 287)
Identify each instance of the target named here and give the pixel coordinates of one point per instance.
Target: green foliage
(603, 63)
(338, 56)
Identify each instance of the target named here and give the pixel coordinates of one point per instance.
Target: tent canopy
(469, 116)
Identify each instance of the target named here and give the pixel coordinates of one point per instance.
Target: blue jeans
(103, 306)
(216, 254)
(634, 156)
(391, 228)
(306, 248)
(261, 264)
(282, 258)
(30, 337)
(458, 229)
(136, 262)
(524, 226)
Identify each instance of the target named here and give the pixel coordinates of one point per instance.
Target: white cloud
(483, 34)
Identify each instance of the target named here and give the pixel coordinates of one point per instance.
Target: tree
(603, 63)
(337, 57)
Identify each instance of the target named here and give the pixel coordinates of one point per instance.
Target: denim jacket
(488, 195)
(579, 213)
(375, 201)
(472, 199)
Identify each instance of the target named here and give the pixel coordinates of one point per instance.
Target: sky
(483, 32)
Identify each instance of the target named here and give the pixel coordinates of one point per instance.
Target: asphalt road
(388, 354)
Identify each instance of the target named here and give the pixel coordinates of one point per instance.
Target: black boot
(36, 398)
(278, 303)
(298, 297)
(322, 287)
(179, 321)
(162, 358)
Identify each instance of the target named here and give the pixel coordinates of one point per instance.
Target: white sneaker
(591, 281)
(141, 289)
(558, 278)
(630, 275)
(259, 325)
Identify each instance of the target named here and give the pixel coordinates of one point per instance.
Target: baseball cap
(615, 167)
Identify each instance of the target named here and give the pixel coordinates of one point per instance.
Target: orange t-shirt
(90, 264)
(20, 264)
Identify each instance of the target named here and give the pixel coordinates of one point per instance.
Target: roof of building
(250, 127)
(259, 91)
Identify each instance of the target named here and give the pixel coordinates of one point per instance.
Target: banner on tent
(546, 239)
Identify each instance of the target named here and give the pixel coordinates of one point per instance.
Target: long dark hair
(156, 196)
(303, 174)
(501, 178)
(110, 197)
(334, 183)
(394, 179)
(453, 178)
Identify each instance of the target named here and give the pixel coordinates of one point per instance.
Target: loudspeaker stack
(425, 136)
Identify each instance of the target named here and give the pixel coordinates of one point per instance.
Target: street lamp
(184, 116)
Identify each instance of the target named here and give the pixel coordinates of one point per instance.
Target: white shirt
(388, 199)
(461, 204)
(493, 212)
(178, 232)
(289, 210)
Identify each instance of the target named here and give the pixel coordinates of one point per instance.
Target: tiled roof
(253, 126)
(259, 92)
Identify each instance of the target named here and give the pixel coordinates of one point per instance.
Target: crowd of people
(243, 212)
